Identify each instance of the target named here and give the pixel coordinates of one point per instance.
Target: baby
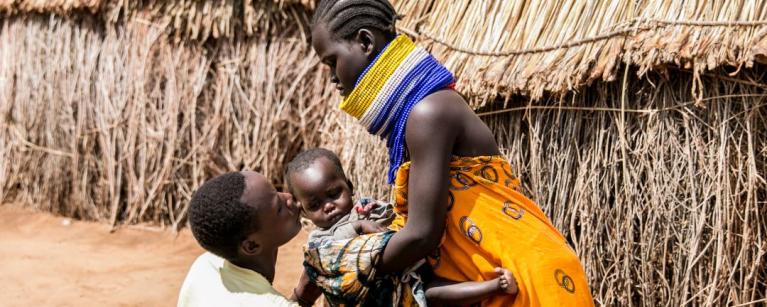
(324, 195)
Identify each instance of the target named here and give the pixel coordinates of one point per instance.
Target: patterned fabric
(489, 224)
(345, 271)
(400, 76)
(383, 214)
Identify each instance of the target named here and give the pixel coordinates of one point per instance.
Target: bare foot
(507, 283)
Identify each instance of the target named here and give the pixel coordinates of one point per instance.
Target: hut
(638, 126)
(117, 110)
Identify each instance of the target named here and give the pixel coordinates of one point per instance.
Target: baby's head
(317, 181)
(239, 216)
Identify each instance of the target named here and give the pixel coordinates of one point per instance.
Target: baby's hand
(364, 206)
(366, 227)
(506, 281)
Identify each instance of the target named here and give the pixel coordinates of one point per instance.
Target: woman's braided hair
(344, 18)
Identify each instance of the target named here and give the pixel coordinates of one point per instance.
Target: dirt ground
(54, 261)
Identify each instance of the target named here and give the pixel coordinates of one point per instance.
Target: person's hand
(366, 227)
(305, 293)
(506, 281)
(364, 206)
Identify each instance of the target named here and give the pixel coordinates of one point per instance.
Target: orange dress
(489, 225)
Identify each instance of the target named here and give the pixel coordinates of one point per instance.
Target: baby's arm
(448, 293)
(305, 292)
(366, 227)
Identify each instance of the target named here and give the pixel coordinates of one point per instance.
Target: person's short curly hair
(219, 220)
(305, 159)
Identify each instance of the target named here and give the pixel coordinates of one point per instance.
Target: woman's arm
(431, 130)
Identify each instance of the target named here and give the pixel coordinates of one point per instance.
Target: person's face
(278, 216)
(346, 58)
(325, 196)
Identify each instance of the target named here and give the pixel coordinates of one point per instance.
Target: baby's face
(323, 194)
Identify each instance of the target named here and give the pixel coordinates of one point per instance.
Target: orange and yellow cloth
(344, 269)
(489, 224)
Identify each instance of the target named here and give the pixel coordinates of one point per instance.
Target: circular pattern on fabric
(507, 170)
(461, 182)
(460, 168)
(564, 281)
(512, 210)
(485, 159)
(470, 229)
(450, 200)
(488, 173)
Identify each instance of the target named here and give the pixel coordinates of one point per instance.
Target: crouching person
(241, 220)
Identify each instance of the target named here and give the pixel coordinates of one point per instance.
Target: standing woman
(455, 194)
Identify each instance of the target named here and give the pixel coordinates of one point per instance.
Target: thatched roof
(496, 47)
(557, 46)
(187, 19)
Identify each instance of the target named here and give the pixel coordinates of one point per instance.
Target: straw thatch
(664, 201)
(587, 40)
(187, 19)
(121, 123)
(664, 204)
(644, 140)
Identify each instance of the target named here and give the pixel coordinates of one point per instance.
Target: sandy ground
(47, 261)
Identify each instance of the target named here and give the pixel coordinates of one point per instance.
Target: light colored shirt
(213, 281)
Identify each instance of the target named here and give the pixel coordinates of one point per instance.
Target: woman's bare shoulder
(439, 107)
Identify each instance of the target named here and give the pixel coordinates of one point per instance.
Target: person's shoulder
(439, 107)
(200, 278)
(207, 260)
(203, 268)
(314, 235)
(439, 114)
(212, 281)
(203, 271)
